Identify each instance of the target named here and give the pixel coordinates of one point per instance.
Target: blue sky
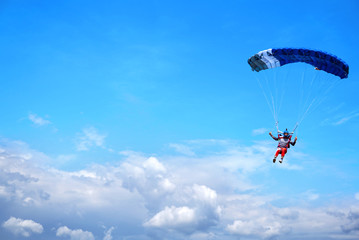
(143, 120)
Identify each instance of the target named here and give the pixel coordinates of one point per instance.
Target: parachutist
(284, 142)
(330, 66)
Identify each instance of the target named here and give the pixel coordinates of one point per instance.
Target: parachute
(311, 86)
(272, 58)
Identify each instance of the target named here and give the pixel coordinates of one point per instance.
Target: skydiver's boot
(275, 158)
(281, 160)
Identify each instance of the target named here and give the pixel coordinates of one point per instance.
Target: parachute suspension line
(295, 127)
(272, 98)
(308, 104)
(276, 125)
(306, 112)
(266, 97)
(278, 85)
(275, 91)
(266, 88)
(301, 96)
(309, 94)
(280, 90)
(283, 86)
(301, 106)
(320, 96)
(272, 87)
(320, 99)
(310, 98)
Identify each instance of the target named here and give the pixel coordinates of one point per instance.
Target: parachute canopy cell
(276, 57)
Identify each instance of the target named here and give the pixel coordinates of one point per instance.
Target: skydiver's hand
(295, 139)
(270, 133)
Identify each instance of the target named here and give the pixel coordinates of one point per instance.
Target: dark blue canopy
(277, 57)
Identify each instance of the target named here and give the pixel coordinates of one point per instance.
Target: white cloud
(341, 119)
(153, 164)
(252, 216)
(204, 194)
(312, 196)
(3, 192)
(357, 196)
(260, 131)
(261, 227)
(64, 158)
(89, 138)
(351, 223)
(345, 119)
(183, 149)
(172, 217)
(203, 212)
(38, 121)
(108, 234)
(77, 234)
(22, 227)
(165, 184)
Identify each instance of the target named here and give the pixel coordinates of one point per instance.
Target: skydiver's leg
(276, 154)
(284, 151)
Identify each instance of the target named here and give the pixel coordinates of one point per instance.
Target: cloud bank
(147, 197)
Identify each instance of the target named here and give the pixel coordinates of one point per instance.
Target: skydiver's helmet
(286, 133)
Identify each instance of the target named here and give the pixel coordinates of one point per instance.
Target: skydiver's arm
(275, 138)
(295, 141)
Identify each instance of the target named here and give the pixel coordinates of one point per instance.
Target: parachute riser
(276, 125)
(291, 133)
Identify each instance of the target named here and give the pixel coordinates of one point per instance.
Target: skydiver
(283, 144)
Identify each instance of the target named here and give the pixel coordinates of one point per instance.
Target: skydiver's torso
(283, 142)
